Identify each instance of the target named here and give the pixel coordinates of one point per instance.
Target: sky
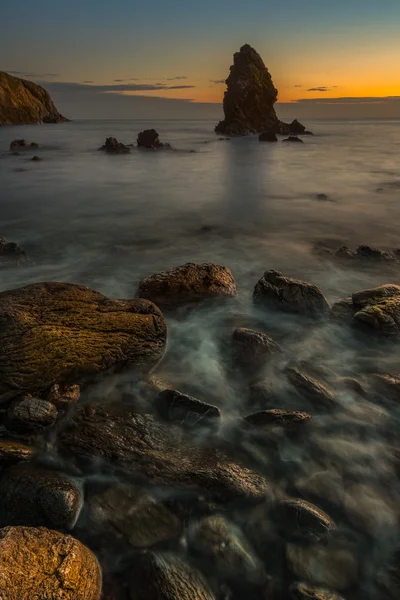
(127, 58)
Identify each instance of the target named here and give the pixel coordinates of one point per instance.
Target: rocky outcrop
(113, 146)
(149, 138)
(188, 283)
(60, 332)
(160, 453)
(250, 97)
(23, 102)
(276, 292)
(40, 563)
(23, 145)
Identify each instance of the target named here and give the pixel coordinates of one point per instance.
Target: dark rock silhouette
(268, 136)
(113, 146)
(250, 97)
(293, 138)
(24, 102)
(149, 138)
(11, 254)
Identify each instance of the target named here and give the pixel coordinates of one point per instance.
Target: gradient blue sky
(314, 49)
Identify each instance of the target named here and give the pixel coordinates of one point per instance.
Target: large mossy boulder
(159, 453)
(65, 333)
(187, 284)
(37, 563)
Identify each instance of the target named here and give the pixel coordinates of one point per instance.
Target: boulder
(250, 97)
(30, 414)
(224, 550)
(160, 453)
(189, 412)
(320, 394)
(113, 146)
(187, 284)
(63, 395)
(268, 136)
(130, 516)
(60, 332)
(373, 295)
(302, 520)
(276, 292)
(34, 496)
(43, 564)
(252, 349)
(149, 138)
(305, 591)
(293, 138)
(11, 254)
(13, 450)
(165, 576)
(276, 417)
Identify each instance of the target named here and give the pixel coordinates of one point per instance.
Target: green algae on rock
(65, 333)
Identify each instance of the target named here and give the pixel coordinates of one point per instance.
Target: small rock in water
(113, 146)
(149, 138)
(36, 563)
(345, 253)
(322, 197)
(189, 412)
(166, 576)
(320, 394)
(268, 136)
(293, 138)
(251, 349)
(274, 291)
(366, 252)
(22, 144)
(35, 497)
(277, 418)
(63, 395)
(36, 159)
(31, 414)
(303, 520)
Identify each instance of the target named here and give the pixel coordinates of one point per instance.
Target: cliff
(250, 97)
(23, 102)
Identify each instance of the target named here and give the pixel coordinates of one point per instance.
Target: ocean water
(107, 221)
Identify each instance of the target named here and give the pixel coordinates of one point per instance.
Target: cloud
(119, 88)
(350, 100)
(88, 81)
(321, 88)
(217, 81)
(298, 85)
(347, 107)
(176, 78)
(35, 75)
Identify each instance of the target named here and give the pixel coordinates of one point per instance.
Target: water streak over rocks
(40, 563)
(61, 332)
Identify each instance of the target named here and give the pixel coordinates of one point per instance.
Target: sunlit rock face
(250, 97)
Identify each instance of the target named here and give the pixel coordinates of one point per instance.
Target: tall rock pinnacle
(250, 97)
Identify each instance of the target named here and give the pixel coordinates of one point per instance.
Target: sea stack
(23, 102)
(250, 97)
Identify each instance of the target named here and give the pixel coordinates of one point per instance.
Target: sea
(104, 221)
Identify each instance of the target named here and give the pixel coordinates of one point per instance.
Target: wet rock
(303, 520)
(160, 453)
(322, 197)
(250, 97)
(293, 138)
(149, 138)
(381, 318)
(36, 159)
(276, 292)
(333, 566)
(251, 349)
(34, 496)
(157, 576)
(64, 332)
(366, 252)
(305, 591)
(31, 414)
(131, 516)
(63, 395)
(113, 146)
(17, 144)
(268, 136)
(343, 310)
(276, 417)
(11, 254)
(373, 295)
(13, 450)
(187, 284)
(317, 392)
(189, 412)
(344, 253)
(39, 563)
(224, 550)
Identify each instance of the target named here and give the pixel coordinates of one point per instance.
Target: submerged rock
(149, 138)
(113, 146)
(11, 254)
(34, 496)
(305, 591)
(62, 332)
(39, 563)
(165, 576)
(160, 453)
(130, 515)
(224, 549)
(31, 414)
(187, 284)
(277, 417)
(36, 159)
(251, 349)
(189, 412)
(274, 291)
(23, 145)
(318, 393)
(293, 138)
(250, 97)
(302, 520)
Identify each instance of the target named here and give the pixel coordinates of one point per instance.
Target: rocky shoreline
(118, 483)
